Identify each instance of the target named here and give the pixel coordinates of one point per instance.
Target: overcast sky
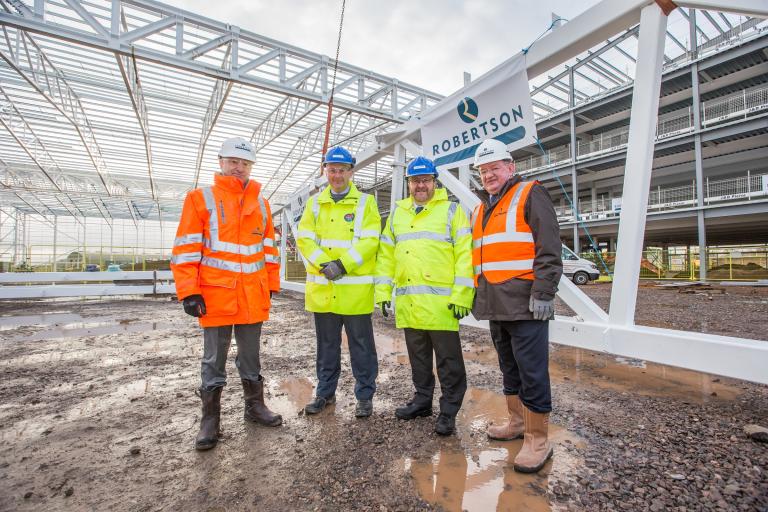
(428, 43)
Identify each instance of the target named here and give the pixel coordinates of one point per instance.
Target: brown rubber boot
(210, 430)
(536, 450)
(514, 428)
(255, 408)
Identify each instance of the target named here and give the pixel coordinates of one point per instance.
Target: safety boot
(255, 408)
(514, 428)
(413, 410)
(445, 424)
(210, 430)
(536, 450)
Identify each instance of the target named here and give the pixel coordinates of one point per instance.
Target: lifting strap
(333, 87)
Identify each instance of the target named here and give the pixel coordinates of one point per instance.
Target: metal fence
(746, 263)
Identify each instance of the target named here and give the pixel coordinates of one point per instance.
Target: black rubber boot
(255, 408)
(210, 430)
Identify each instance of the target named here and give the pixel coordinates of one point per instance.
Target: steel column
(637, 174)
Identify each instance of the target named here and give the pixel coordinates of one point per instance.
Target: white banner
(765, 183)
(497, 106)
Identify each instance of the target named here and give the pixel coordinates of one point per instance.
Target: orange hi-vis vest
(504, 248)
(225, 251)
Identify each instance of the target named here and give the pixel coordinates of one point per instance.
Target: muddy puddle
(46, 327)
(481, 478)
(623, 374)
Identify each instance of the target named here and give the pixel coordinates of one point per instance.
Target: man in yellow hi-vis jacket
(338, 237)
(426, 255)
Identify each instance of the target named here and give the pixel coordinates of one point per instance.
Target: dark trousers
(450, 367)
(362, 353)
(523, 349)
(216, 341)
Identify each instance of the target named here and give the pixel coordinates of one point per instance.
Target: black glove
(194, 305)
(333, 270)
(459, 312)
(384, 306)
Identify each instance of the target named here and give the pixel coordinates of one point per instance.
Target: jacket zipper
(221, 207)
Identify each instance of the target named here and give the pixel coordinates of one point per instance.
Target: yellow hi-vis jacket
(427, 257)
(347, 230)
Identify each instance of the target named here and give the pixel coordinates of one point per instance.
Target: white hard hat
(237, 147)
(491, 150)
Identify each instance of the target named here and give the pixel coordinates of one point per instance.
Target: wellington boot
(255, 408)
(536, 450)
(512, 429)
(210, 430)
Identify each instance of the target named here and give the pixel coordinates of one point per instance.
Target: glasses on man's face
(421, 181)
(335, 172)
(491, 170)
(238, 161)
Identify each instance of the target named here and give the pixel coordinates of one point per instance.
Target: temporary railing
(738, 104)
(36, 285)
(744, 263)
(735, 105)
(555, 156)
(751, 186)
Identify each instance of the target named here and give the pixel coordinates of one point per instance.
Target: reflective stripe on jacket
(427, 259)
(503, 248)
(347, 230)
(225, 251)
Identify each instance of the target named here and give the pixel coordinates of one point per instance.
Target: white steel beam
(168, 23)
(49, 82)
(130, 73)
(637, 174)
(758, 8)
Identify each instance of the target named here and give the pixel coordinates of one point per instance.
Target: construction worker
(517, 264)
(226, 267)
(338, 237)
(425, 253)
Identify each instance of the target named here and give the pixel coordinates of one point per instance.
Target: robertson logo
(349, 217)
(467, 109)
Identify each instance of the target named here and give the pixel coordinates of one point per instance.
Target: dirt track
(98, 413)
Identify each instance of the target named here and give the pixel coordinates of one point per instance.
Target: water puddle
(78, 329)
(481, 478)
(637, 376)
(622, 374)
(58, 319)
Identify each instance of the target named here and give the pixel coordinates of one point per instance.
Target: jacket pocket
(220, 293)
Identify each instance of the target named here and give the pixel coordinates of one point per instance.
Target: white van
(579, 270)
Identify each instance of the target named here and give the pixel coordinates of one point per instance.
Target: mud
(98, 412)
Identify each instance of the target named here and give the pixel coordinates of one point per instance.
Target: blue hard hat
(339, 155)
(421, 166)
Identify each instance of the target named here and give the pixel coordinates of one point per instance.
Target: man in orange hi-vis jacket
(516, 255)
(226, 266)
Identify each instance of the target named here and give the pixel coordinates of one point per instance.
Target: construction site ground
(98, 412)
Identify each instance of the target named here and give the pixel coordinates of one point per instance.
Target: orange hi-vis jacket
(503, 249)
(225, 251)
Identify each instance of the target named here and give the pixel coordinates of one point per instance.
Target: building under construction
(111, 111)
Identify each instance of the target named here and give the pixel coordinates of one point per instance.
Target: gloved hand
(194, 305)
(333, 270)
(541, 309)
(384, 307)
(459, 312)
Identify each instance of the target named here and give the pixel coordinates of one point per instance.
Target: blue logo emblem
(467, 110)
(349, 217)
